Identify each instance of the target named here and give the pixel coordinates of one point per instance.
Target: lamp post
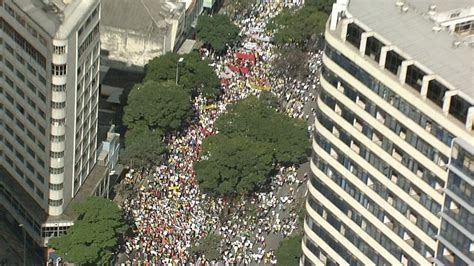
(24, 243)
(181, 59)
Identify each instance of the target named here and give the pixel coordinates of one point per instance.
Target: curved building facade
(395, 92)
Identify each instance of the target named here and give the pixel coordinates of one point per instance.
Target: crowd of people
(170, 213)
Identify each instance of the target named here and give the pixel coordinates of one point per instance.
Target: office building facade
(396, 90)
(456, 234)
(49, 106)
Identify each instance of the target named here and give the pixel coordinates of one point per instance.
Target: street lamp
(24, 243)
(180, 60)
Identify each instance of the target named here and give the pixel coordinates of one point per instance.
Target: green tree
(252, 118)
(208, 246)
(234, 7)
(161, 106)
(289, 251)
(93, 237)
(217, 31)
(236, 165)
(297, 25)
(142, 147)
(321, 5)
(252, 139)
(194, 74)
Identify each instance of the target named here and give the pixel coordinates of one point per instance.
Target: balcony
(56, 162)
(58, 130)
(56, 194)
(56, 178)
(57, 146)
(58, 113)
(59, 80)
(58, 96)
(358, 126)
(355, 147)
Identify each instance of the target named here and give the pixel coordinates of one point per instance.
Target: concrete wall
(130, 47)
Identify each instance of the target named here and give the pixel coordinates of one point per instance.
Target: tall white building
(397, 86)
(48, 106)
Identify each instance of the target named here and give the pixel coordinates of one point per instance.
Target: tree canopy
(217, 31)
(93, 237)
(297, 25)
(252, 139)
(209, 246)
(159, 106)
(142, 147)
(289, 251)
(194, 74)
(252, 118)
(234, 165)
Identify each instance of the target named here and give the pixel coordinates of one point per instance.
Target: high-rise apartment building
(456, 237)
(397, 88)
(48, 106)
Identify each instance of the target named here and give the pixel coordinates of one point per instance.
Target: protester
(168, 210)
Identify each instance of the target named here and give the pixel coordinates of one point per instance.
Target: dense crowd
(171, 214)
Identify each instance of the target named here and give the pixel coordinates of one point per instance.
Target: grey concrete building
(50, 53)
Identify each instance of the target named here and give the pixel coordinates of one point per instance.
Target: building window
(58, 122)
(41, 146)
(9, 98)
(373, 48)
(458, 108)
(59, 50)
(58, 70)
(354, 33)
(55, 186)
(57, 138)
(39, 193)
(40, 162)
(465, 27)
(40, 178)
(59, 88)
(58, 105)
(31, 86)
(393, 62)
(20, 109)
(414, 77)
(42, 79)
(56, 171)
(436, 92)
(31, 69)
(55, 203)
(41, 129)
(56, 154)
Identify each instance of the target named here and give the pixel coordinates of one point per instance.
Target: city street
(171, 214)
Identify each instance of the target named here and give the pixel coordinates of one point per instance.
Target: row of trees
(95, 233)
(298, 25)
(253, 139)
(297, 31)
(159, 105)
(162, 103)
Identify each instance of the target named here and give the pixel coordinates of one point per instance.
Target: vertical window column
(403, 70)
(363, 41)
(425, 84)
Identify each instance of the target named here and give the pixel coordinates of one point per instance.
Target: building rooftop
(141, 16)
(412, 32)
(57, 17)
